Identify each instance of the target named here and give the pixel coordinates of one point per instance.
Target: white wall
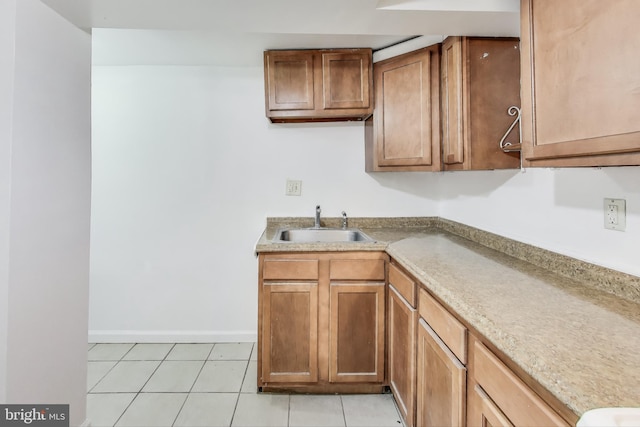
(556, 209)
(185, 170)
(7, 63)
(49, 210)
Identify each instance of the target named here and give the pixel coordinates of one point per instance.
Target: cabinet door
(483, 412)
(290, 80)
(357, 332)
(318, 85)
(493, 75)
(452, 97)
(441, 382)
(480, 82)
(404, 132)
(290, 332)
(580, 89)
(511, 395)
(402, 319)
(346, 78)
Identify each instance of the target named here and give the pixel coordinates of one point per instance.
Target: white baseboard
(96, 336)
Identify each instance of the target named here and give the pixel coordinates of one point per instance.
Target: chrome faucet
(344, 220)
(317, 225)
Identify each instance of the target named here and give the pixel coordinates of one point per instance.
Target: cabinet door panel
(489, 414)
(518, 402)
(290, 80)
(346, 80)
(580, 90)
(441, 382)
(449, 329)
(290, 332)
(493, 75)
(452, 97)
(405, 114)
(357, 269)
(404, 284)
(357, 315)
(290, 269)
(402, 319)
(404, 131)
(480, 82)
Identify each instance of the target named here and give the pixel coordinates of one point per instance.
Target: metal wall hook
(508, 146)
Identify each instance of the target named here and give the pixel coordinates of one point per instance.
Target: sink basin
(614, 417)
(325, 235)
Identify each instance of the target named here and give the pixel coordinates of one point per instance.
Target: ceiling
(235, 32)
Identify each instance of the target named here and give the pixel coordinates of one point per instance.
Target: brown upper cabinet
(404, 132)
(318, 85)
(580, 82)
(480, 82)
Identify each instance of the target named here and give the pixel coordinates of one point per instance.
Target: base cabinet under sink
(322, 322)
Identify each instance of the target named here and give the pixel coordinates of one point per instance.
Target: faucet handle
(344, 219)
(317, 223)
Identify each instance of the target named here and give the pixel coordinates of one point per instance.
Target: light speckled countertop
(576, 338)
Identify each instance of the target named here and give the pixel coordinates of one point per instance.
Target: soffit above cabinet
(235, 32)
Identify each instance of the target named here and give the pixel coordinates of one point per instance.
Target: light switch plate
(294, 187)
(615, 214)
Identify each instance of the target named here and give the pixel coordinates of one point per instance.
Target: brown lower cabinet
(357, 332)
(441, 375)
(441, 382)
(322, 322)
(499, 397)
(290, 332)
(402, 317)
(454, 379)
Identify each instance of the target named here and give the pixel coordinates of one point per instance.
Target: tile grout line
(140, 391)
(105, 374)
(235, 408)
(110, 369)
(204, 362)
(344, 415)
(188, 393)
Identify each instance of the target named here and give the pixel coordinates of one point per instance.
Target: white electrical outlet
(615, 214)
(294, 187)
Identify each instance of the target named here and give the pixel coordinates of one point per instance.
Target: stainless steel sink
(325, 235)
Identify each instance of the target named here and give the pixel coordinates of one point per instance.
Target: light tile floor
(189, 385)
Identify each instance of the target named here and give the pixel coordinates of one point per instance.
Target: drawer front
(403, 284)
(514, 398)
(448, 328)
(290, 269)
(356, 269)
